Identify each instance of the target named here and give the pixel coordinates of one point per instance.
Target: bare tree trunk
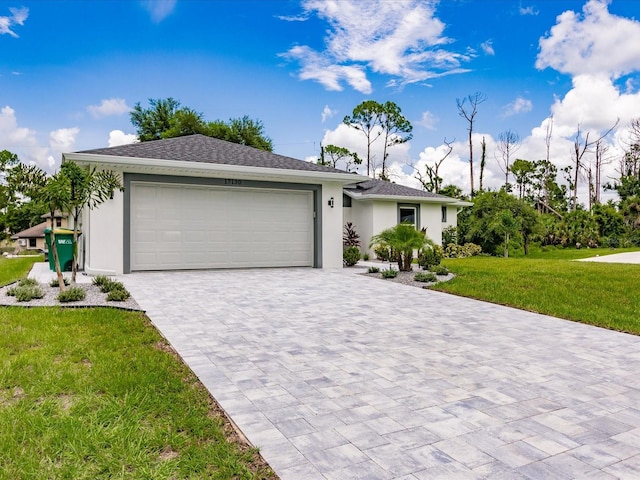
(469, 113)
(483, 162)
(471, 156)
(545, 189)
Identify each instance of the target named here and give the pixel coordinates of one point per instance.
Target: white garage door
(190, 227)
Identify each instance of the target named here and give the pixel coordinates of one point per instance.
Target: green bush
(425, 277)
(439, 270)
(373, 270)
(430, 257)
(118, 294)
(54, 282)
(27, 286)
(24, 294)
(106, 284)
(72, 294)
(365, 257)
(389, 273)
(462, 251)
(449, 235)
(381, 252)
(101, 280)
(350, 256)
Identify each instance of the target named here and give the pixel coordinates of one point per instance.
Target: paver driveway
(338, 376)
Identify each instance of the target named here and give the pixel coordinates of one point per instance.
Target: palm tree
(403, 239)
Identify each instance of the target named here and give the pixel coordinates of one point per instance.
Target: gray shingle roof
(381, 187)
(37, 231)
(203, 149)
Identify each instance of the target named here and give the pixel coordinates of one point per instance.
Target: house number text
(232, 181)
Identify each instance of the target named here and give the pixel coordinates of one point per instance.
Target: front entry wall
(177, 223)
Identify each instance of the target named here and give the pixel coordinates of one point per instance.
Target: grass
(94, 393)
(602, 294)
(12, 269)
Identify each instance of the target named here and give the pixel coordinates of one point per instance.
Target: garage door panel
(188, 227)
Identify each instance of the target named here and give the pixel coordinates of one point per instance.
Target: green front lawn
(603, 294)
(95, 393)
(12, 269)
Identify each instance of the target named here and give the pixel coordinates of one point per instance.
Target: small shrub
(430, 257)
(28, 292)
(381, 252)
(106, 284)
(350, 237)
(612, 242)
(373, 270)
(118, 294)
(350, 256)
(449, 235)
(425, 277)
(101, 280)
(365, 257)
(389, 273)
(24, 288)
(440, 270)
(462, 251)
(72, 294)
(54, 282)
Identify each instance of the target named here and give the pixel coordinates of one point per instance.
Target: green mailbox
(64, 247)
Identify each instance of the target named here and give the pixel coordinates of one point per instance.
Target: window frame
(444, 212)
(416, 213)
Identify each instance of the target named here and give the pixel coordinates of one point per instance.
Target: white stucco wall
(103, 227)
(370, 217)
(431, 219)
(361, 215)
(332, 224)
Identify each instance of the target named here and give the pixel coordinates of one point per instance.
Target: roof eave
(407, 198)
(211, 168)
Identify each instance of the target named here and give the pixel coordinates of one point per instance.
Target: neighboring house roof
(202, 149)
(57, 214)
(37, 231)
(381, 190)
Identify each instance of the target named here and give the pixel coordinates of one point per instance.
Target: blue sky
(71, 70)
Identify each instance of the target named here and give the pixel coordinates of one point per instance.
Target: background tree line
(538, 201)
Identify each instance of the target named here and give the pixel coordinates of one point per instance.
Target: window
(444, 214)
(407, 214)
(32, 243)
(58, 222)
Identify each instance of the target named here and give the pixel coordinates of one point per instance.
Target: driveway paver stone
(337, 376)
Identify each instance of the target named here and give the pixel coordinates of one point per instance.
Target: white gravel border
(94, 298)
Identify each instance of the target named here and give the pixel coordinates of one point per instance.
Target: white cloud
(294, 18)
(428, 120)
(404, 40)
(519, 105)
(118, 137)
(17, 17)
(316, 67)
(327, 113)
(592, 43)
(63, 140)
(530, 10)
(487, 47)
(110, 106)
(159, 9)
(22, 141)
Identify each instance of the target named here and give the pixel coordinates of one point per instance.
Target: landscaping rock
(94, 298)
